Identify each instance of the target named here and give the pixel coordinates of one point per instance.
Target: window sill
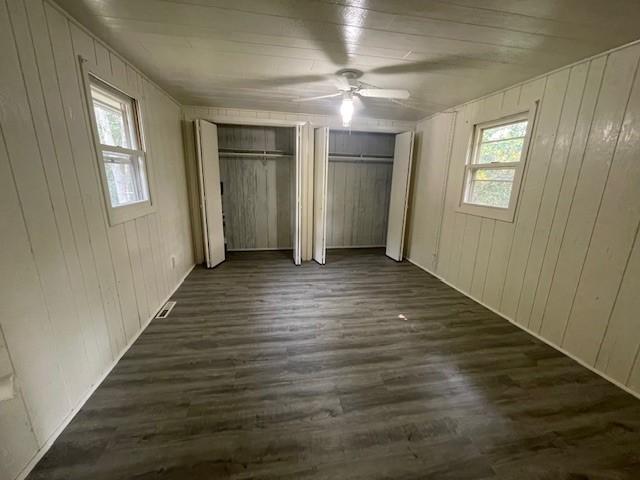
(129, 212)
(501, 214)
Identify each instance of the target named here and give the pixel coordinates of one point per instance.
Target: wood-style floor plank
(361, 369)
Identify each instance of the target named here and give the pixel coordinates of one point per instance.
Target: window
(495, 167)
(120, 144)
(120, 148)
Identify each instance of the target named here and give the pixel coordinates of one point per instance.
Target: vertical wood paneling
(470, 242)
(489, 106)
(569, 266)
(620, 345)
(358, 192)
(100, 352)
(34, 355)
(148, 267)
(503, 234)
(78, 303)
(612, 102)
(73, 288)
(543, 141)
(154, 121)
(607, 257)
(482, 257)
(16, 436)
(35, 202)
(135, 257)
(124, 281)
(86, 171)
(428, 184)
(271, 204)
(358, 200)
(551, 190)
(336, 193)
(348, 207)
(256, 202)
(256, 193)
(462, 129)
(117, 237)
(567, 190)
(459, 226)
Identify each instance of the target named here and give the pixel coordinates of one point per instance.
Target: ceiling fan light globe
(346, 111)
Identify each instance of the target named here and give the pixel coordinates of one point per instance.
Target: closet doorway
(361, 190)
(249, 188)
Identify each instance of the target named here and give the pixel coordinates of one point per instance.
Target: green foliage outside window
(502, 144)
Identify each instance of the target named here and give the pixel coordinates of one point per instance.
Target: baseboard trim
(355, 246)
(266, 249)
(532, 333)
(67, 420)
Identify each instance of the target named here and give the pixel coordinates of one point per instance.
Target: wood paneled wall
(256, 137)
(74, 291)
(568, 268)
(257, 192)
(428, 183)
(358, 192)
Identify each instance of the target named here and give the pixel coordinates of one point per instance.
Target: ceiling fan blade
(320, 97)
(281, 81)
(384, 93)
(440, 63)
(408, 105)
(358, 104)
(341, 83)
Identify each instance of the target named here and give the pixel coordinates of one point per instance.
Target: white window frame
(122, 213)
(506, 214)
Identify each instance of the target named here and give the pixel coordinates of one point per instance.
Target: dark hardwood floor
(362, 369)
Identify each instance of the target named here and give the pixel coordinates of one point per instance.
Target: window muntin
(496, 160)
(118, 133)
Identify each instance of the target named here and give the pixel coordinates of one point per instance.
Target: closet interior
(257, 179)
(360, 167)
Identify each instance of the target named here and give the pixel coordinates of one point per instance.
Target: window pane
(114, 118)
(504, 174)
(504, 132)
(126, 178)
(491, 194)
(110, 126)
(501, 151)
(491, 187)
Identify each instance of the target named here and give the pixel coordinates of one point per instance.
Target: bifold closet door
(210, 195)
(297, 203)
(321, 173)
(399, 195)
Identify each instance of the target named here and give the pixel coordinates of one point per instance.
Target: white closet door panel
(321, 173)
(399, 195)
(210, 195)
(297, 178)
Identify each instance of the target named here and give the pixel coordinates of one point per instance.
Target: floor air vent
(166, 310)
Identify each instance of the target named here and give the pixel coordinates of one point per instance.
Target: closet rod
(362, 155)
(254, 154)
(345, 158)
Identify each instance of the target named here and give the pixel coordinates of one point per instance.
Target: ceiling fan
(346, 81)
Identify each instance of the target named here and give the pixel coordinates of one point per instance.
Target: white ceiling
(260, 54)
